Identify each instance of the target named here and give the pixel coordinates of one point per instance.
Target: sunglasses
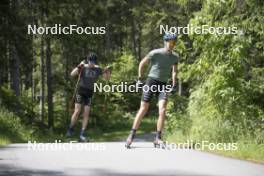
(172, 41)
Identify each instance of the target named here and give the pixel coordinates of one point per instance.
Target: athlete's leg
(86, 113)
(160, 123)
(87, 106)
(162, 114)
(140, 114)
(75, 115)
(144, 106)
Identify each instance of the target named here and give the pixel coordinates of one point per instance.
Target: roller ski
(158, 143)
(82, 137)
(69, 133)
(130, 139)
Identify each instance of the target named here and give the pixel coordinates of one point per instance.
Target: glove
(107, 69)
(174, 89)
(80, 66)
(139, 82)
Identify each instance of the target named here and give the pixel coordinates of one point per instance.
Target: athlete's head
(91, 59)
(169, 41)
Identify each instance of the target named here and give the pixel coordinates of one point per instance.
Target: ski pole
(107, 69)
(75, 90)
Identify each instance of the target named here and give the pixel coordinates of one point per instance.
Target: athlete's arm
(76, 70)
(106, 73)
(142, 63)
(174, 74)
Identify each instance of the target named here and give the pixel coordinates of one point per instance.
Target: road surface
(113, 159)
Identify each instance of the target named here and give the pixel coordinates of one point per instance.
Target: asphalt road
(113, 159)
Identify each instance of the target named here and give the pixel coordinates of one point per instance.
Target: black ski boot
(130, 139)
(158, 142)
(69, 132)
(82, 137)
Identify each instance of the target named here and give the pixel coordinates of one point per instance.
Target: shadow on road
(10, 170)
(7, 170)
(104, 172)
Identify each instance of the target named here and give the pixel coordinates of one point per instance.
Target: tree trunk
(139, 41)
(66, 78)
(14, 58)
(4, 66)
(49, 73)
(180, 87)
(108, 40)
(14, 70)
(33, 71)
(134, 37)
(49, 84)
(42, 82)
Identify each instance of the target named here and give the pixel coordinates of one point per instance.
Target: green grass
(121, 133)
(8, 139)
(11, 128)
(115, 132)
(4, 140)
(245, 150)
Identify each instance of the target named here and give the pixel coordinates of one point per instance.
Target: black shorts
(84, 97)
(156, 87)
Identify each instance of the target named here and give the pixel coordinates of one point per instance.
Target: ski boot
(158, 143)
(130, 139)
(82, 138)
(69, 132)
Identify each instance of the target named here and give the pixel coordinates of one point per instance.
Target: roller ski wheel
(69, 133)
(84, 139)
(128, 146)
(158, 143)
(129, 141)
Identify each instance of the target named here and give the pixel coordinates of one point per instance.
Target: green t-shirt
(161, 63)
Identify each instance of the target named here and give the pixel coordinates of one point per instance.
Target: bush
(177, 119)
(11, 128)
(226, 73)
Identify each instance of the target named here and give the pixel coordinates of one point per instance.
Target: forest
(220, 96)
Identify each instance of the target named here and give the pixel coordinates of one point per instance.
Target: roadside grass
(13, 131)
(11, 128)
(117, 132)
(246, 150)
(121, 132)
(4, 140)
(8, 139)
